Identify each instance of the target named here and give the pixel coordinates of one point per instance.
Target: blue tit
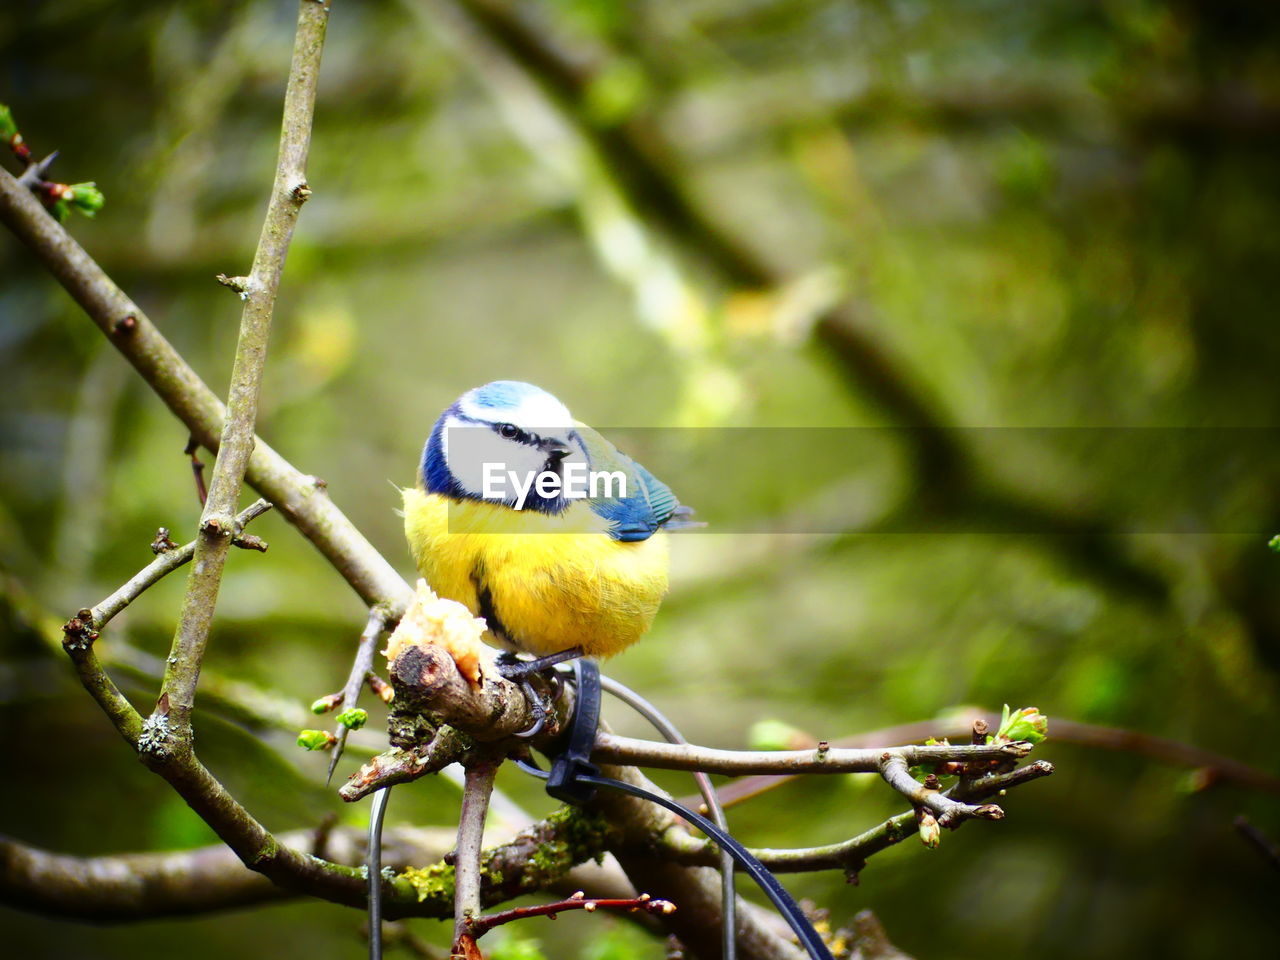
(549, 570)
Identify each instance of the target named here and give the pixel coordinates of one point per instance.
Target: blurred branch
(301, 498)
(129, 887)
(849, 855)
(172, 717)
(1214, 767)
(646, 170)
(1259, 841)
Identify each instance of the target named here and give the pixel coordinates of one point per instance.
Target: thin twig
(668, 756)
(897, 774)
(165, 563)
(1216, 767)
(360, 669)
(848, 855)
(475, 804)
(479, 926)
(1259, 841)
(192, 450)
(216, 522)
(300, 497)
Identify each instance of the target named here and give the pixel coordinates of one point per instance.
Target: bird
(553, 574)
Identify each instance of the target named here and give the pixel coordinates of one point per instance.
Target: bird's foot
(510, 667)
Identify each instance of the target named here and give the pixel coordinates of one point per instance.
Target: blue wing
(649, 505)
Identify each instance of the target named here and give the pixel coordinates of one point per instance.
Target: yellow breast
(551, 582)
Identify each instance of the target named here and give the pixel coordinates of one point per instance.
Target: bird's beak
(555, 449)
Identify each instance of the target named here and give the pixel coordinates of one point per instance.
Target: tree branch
(259, 290)
(478, 926)
(301, 498)
(475, 804)
(949, 812)
(671, 756)
(1216, 767)
(360, 669)
(848, 855)
(142, 886)
(166, 561)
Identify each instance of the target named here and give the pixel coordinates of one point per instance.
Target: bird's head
(517, 426)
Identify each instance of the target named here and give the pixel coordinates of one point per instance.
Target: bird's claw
(520, 671)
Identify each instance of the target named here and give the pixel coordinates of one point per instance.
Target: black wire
(715, 810)
(774, 890)
(373, 865)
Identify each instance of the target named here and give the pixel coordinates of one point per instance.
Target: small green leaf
(1027, 724)
(1274, 543)
(315, 739)
(353, 719)
(86, 198)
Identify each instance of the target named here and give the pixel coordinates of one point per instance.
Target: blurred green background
(703, 214)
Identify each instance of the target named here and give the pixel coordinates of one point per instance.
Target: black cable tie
(565, 781)
(574, 778)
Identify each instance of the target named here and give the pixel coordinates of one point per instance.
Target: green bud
(7, 127)
(1026, 724)
(930, 832)
(1274, 543)
(353, 719)
(327, 703)
(776, 735)
(86, 198)
(315, 739)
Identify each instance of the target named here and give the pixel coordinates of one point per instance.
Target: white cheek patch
(476, 454)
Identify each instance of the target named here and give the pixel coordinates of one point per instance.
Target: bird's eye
(509, 430)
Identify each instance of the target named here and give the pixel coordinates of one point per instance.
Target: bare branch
(259, 292)
(697, 892)
(475, 804)
(670, 756)
(897, 774)
(301, 498)
(478, 926)
(361, 668)
(1213, 767)
(166, 561)
(142, 886)
(1269, 850)
(849, 855)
